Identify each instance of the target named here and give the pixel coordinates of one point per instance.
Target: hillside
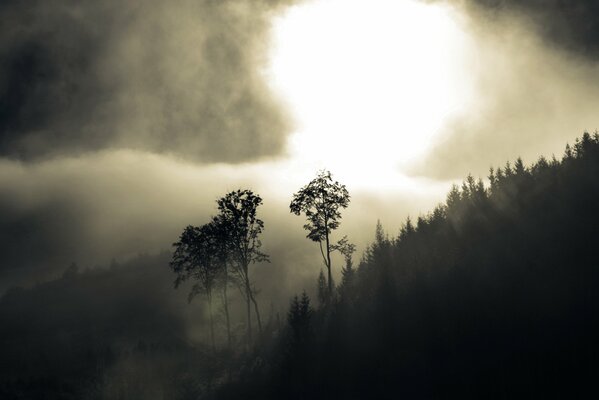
(101, 333)
(493, 294)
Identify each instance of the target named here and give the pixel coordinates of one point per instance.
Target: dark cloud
(569, 24)
(180, 77)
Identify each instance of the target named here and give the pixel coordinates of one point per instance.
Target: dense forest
(492, 294)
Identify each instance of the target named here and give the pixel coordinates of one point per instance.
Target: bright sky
(369, 84)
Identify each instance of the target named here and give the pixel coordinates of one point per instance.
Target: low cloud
(122, 203)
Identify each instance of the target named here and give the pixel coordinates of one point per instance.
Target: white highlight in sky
(369, 83)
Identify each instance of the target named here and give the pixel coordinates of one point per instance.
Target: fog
(121, 124)
(533, 93)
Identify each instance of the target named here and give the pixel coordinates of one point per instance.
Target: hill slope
(494, 294)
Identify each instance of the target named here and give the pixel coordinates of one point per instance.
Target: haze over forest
(123, 123)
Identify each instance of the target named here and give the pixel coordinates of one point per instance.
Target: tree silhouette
(299, 318)
(321, 201)
(196, 257)
(238, 211)
(348, 271)
(218, 229)
(322, 289)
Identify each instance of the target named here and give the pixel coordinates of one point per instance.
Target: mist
(525, 82)
(123, 123)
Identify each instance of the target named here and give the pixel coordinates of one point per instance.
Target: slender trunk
(248, 307)
(329, 262)
(257, 312)
(211, 321)
(226, 306)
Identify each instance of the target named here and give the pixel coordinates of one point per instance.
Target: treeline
(218, 255)
(492, 294)
(114, 332)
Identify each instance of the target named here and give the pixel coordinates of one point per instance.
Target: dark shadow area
(104, 333)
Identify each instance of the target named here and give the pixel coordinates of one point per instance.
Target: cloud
(570, 25)
(181, 77)
(530, 99)
(88, 209)
(119, 204)
(91, 208)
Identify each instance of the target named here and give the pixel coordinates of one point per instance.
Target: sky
(123, 122)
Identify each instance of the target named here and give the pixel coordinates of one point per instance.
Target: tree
(323, 291)
(347, 249)
(299, 318)
(321, 201)
(348, 271)
(195, 257)
(218, 229)
(238, 211)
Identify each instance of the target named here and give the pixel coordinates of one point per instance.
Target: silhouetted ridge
(492, 294)
(103, 333)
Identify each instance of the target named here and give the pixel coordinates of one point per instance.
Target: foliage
(299, 318)
(238, 210)
(321, 201)
(196, 257)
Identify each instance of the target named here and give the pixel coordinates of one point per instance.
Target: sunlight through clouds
(368, 87)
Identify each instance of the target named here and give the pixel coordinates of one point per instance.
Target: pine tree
(323, 291)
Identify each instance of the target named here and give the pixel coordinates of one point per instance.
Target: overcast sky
(122, 122)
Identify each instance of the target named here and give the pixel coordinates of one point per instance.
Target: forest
(491, 294)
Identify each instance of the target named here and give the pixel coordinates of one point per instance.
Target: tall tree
(299, 318)
(218, 229)
(321, 201)
(322, 289)
(238, 210)
(348, 271)
(195, 257)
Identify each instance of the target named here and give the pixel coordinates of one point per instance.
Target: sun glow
(368, 82)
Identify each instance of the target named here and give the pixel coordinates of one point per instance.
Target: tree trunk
(211, 321)
(226, 306)
(248, 306)
(257, 312)
(329, 263)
